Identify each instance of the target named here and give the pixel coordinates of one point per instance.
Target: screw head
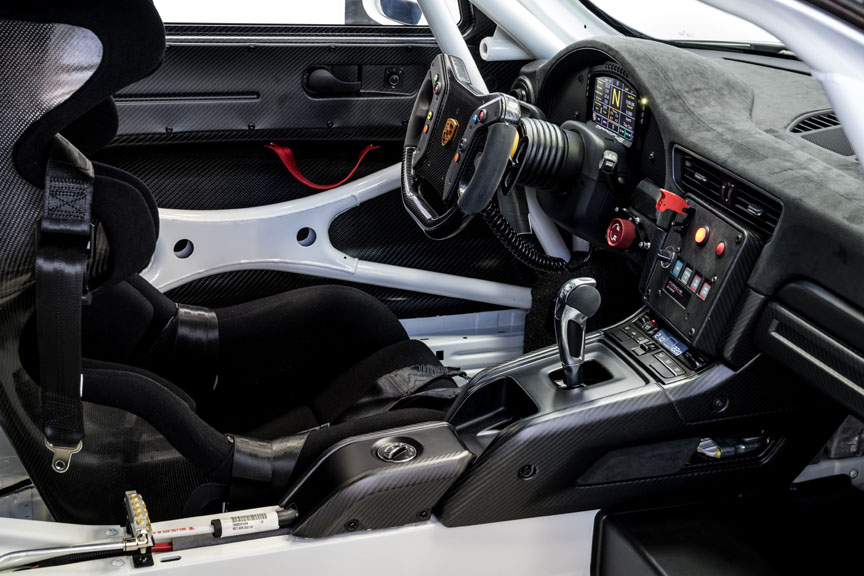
(719, 404)
(117, 562)
(111, 532)
(853, 473)
(352, 525)
(652, 156)
(329, 124)
(527, 471)
(423, 514)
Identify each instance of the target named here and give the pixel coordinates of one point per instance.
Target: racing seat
(194, 408)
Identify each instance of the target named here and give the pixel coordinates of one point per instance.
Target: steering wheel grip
(501, 142)
(436, 226)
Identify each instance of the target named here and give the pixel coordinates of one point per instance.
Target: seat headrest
(128, 226)
(95, 129)
(133, 45)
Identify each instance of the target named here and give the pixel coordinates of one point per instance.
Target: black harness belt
(197, 340)
(62, 254)
(267, 461)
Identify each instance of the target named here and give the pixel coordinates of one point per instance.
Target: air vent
(823, 130)
(815, 122)
(744, 202)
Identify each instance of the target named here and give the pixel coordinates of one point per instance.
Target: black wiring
(522, 250)
(15, 487)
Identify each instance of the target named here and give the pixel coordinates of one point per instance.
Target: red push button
(701, 235)
(720, 248)
(620, 233)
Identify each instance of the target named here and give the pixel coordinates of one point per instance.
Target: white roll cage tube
(450, 39)
(294, 237)
(831, 47)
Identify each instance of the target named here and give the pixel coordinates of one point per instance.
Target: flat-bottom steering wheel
(457, 149)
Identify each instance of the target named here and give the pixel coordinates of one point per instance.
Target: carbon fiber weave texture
(43, 65)
(563, 445)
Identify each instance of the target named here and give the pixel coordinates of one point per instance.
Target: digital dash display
(614, 107)
(670, 343)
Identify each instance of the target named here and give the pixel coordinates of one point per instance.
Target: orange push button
(425, 128)
(720, 248)
(456, 157)
(701, 235)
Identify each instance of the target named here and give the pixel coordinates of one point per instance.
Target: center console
(646, 411)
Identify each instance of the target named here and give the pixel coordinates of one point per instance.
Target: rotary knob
(620, 233)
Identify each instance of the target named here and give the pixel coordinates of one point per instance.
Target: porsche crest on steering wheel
(450, 129)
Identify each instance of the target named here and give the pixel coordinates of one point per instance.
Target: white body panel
(549, 546)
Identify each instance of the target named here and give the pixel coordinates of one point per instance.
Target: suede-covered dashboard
(736, 114)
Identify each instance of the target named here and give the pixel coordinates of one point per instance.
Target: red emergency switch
(720, 248)
(671, 201)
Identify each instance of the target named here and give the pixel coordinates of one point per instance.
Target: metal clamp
(62, 455)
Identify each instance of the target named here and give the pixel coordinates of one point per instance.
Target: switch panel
(697, 291)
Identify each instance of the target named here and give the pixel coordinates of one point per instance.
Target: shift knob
(577, 301)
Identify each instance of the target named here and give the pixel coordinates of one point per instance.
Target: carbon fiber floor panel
(239, 175)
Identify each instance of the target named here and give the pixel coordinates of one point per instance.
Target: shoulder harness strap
(62, 253)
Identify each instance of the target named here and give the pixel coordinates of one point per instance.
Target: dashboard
(769, 205)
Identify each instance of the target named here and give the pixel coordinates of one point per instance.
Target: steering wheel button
(474, 119)
(701, 235)
(429, 115)
(482, 116)
(720, 248)
(437, 87)
(425, 128)
(456, 157)
(462, 143)
(435, 78)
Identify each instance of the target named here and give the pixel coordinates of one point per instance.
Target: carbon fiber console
(380, 480)
(628, 436)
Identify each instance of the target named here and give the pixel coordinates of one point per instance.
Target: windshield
(684, 21)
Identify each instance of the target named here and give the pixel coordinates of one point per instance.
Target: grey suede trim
(709, 106)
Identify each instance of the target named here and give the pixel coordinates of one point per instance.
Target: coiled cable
(524, 251)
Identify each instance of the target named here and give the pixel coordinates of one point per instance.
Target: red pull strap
(287, 156)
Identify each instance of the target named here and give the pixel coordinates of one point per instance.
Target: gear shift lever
(577, 301)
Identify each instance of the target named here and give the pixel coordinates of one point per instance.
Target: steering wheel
(458, 147)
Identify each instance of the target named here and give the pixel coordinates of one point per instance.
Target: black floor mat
(814, 529)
